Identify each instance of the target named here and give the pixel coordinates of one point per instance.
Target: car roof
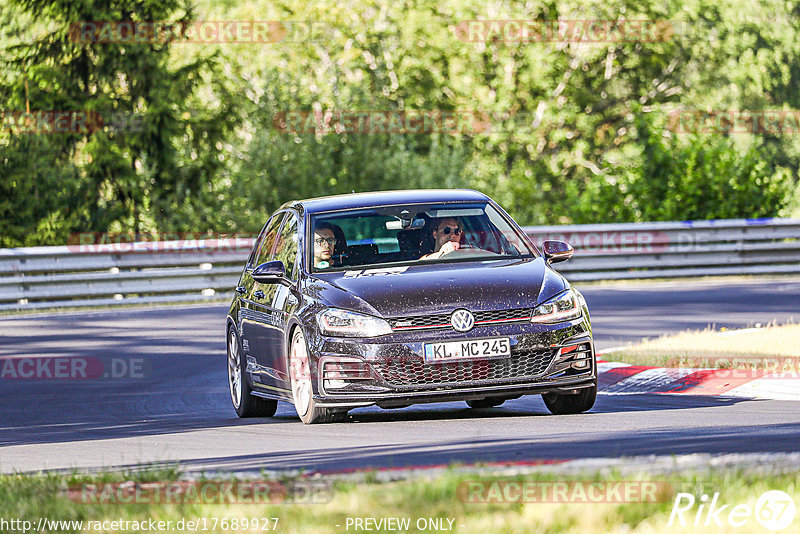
(387, 198)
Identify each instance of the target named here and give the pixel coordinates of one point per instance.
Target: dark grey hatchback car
(404, 297)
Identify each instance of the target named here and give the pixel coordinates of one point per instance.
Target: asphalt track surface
(179, 410)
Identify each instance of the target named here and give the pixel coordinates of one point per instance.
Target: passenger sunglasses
(446, 230)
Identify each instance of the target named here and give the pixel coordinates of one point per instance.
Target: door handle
(258, 294)
(241, 290)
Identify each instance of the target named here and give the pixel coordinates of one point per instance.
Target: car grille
(413, 372)
(442, 320)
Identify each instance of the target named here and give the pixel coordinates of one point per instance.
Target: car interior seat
(417, 242)
(361, 254)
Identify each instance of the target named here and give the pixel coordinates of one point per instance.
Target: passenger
(447, 237)
(324, 243)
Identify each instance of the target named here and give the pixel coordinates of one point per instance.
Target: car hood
(440, 288)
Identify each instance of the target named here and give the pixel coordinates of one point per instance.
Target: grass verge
(450, 501)
(773, 348)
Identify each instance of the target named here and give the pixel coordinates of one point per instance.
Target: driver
(447, 237)
(324, 243)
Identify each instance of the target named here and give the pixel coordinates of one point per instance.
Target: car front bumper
(393, 372)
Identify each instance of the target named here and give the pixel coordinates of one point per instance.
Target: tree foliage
(580, 130)
(157, 153)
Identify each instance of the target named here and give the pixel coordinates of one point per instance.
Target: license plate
(474, 348)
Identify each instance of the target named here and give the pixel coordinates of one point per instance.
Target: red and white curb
(623, 378)
(762, 463)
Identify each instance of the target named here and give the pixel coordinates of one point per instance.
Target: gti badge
(462, 320)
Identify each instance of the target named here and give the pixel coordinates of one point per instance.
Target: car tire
(302, 389)
(244, 402)
(565, 404)
(488, 402)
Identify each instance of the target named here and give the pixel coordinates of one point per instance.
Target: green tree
(578, 130)
(155, 161)
(570, 146)
(703, 178)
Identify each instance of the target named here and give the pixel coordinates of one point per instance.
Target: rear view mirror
(557, 251)
(405, 224)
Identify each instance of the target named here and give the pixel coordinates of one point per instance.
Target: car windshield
(413, 233)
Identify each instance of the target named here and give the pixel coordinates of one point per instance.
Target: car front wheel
(564, 404)
(245, 404)
(302, 391)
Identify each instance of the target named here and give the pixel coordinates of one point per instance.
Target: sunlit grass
(439, 498)
(767, 348)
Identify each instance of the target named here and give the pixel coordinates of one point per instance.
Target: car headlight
(563, 307)
(333, 322)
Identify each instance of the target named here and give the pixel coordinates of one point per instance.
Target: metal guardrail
(196, 270)
(677, 249)
(120, 273)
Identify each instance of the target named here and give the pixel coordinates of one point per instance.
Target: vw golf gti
(404, 297)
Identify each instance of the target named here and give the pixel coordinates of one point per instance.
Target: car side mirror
(269, 272)
(557, 251)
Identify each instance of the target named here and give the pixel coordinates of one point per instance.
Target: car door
(270, 301)
(286, 299)
(253, 323)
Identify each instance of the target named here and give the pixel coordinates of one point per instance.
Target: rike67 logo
(774, 510)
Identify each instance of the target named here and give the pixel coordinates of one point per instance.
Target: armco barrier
(677, 249)
(196, 270)
(120, 273)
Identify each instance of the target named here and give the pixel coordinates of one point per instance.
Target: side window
(252, 257)
(269, 239)
(286, 251)
(251, 260)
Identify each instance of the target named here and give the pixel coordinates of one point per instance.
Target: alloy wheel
(234, 369)
(300, 374)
